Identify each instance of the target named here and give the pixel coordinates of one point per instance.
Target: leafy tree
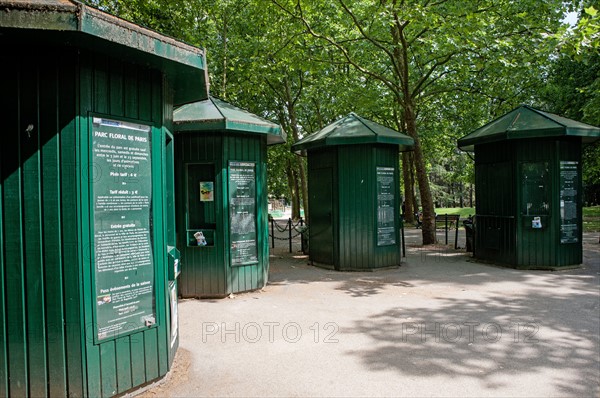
(573, 88)
(426, 48)
(435, 69)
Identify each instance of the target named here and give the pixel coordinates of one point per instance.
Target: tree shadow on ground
(540, 324)
(492, 337)
(424, 265)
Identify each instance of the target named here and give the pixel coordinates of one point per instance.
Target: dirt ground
(439, 325)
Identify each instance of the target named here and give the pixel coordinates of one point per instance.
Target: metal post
(272, 233)
(446, 227)
(403, 241)
(456, 235)
(290, 234)
(301, 235)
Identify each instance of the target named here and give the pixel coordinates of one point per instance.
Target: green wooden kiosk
(88, 262)
(354, 194)
(528, 188)
(221, 197)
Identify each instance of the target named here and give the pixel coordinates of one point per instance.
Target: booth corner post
(87, 237)
(221, 191)
(354, 194)
(528, 188)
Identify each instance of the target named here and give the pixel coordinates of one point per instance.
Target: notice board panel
(124, 271)
(569, 224)
(386, 227)
(242, 213)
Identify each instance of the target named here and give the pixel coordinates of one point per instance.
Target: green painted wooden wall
(504, 233)
(205, 271)
(323, 215)
(42, 342)
(495, 202)
(354, 211)
(46, 296)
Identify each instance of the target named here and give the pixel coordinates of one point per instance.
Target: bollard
(272, 233)
(446, 227)
(301, 235)
(403, 240)
(456, 233)
(290, 233)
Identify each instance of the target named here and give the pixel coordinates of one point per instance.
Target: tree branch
(335, 44)
(426, 76)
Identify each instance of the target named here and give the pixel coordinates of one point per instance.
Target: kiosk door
(321, 218)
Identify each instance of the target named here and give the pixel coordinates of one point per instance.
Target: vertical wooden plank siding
(262, 217)
(72, 252)
(116, 105)
(170, 217)
(52, 241)
(202, 269)
(504, 233)
(87, 102)
(355, 206)
(357, 203)
(123, 365)
(15, 267)
(249, 148)
(34, 283)
(39, 301)
(569, 149)
(162, 112)
(133, 92)
(108, 368)
(319, 160)
(536, 247)
(12, 320)
(388, 156)
(495, 176)
(206, 271)
(41, 282)
(46, 320)
(4, 71)
(13, 249)
(138, 358)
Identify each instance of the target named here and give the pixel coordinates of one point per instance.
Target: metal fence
(287, 230)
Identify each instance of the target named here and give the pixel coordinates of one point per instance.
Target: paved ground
(440, 325)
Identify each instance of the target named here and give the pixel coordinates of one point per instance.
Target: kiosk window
(201, 196)
(536, 189)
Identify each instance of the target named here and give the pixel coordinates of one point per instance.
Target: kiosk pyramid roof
(527, 122)
(214, 114)
(353, 130)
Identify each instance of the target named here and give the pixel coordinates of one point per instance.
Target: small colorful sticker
(207, 191)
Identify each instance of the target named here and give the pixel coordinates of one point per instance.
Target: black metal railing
(293, 229)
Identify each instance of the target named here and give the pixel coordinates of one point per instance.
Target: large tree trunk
(293, 184)
(406, 102)
(409, 203)
(428, 227)
(296, 201)
(411, 159)
(409, 194)
(470, 195)
(303, 186)
(297, 180)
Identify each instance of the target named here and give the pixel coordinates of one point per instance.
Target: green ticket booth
(88, 263)
(354, 194)
(221, 197)
(528, 188)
